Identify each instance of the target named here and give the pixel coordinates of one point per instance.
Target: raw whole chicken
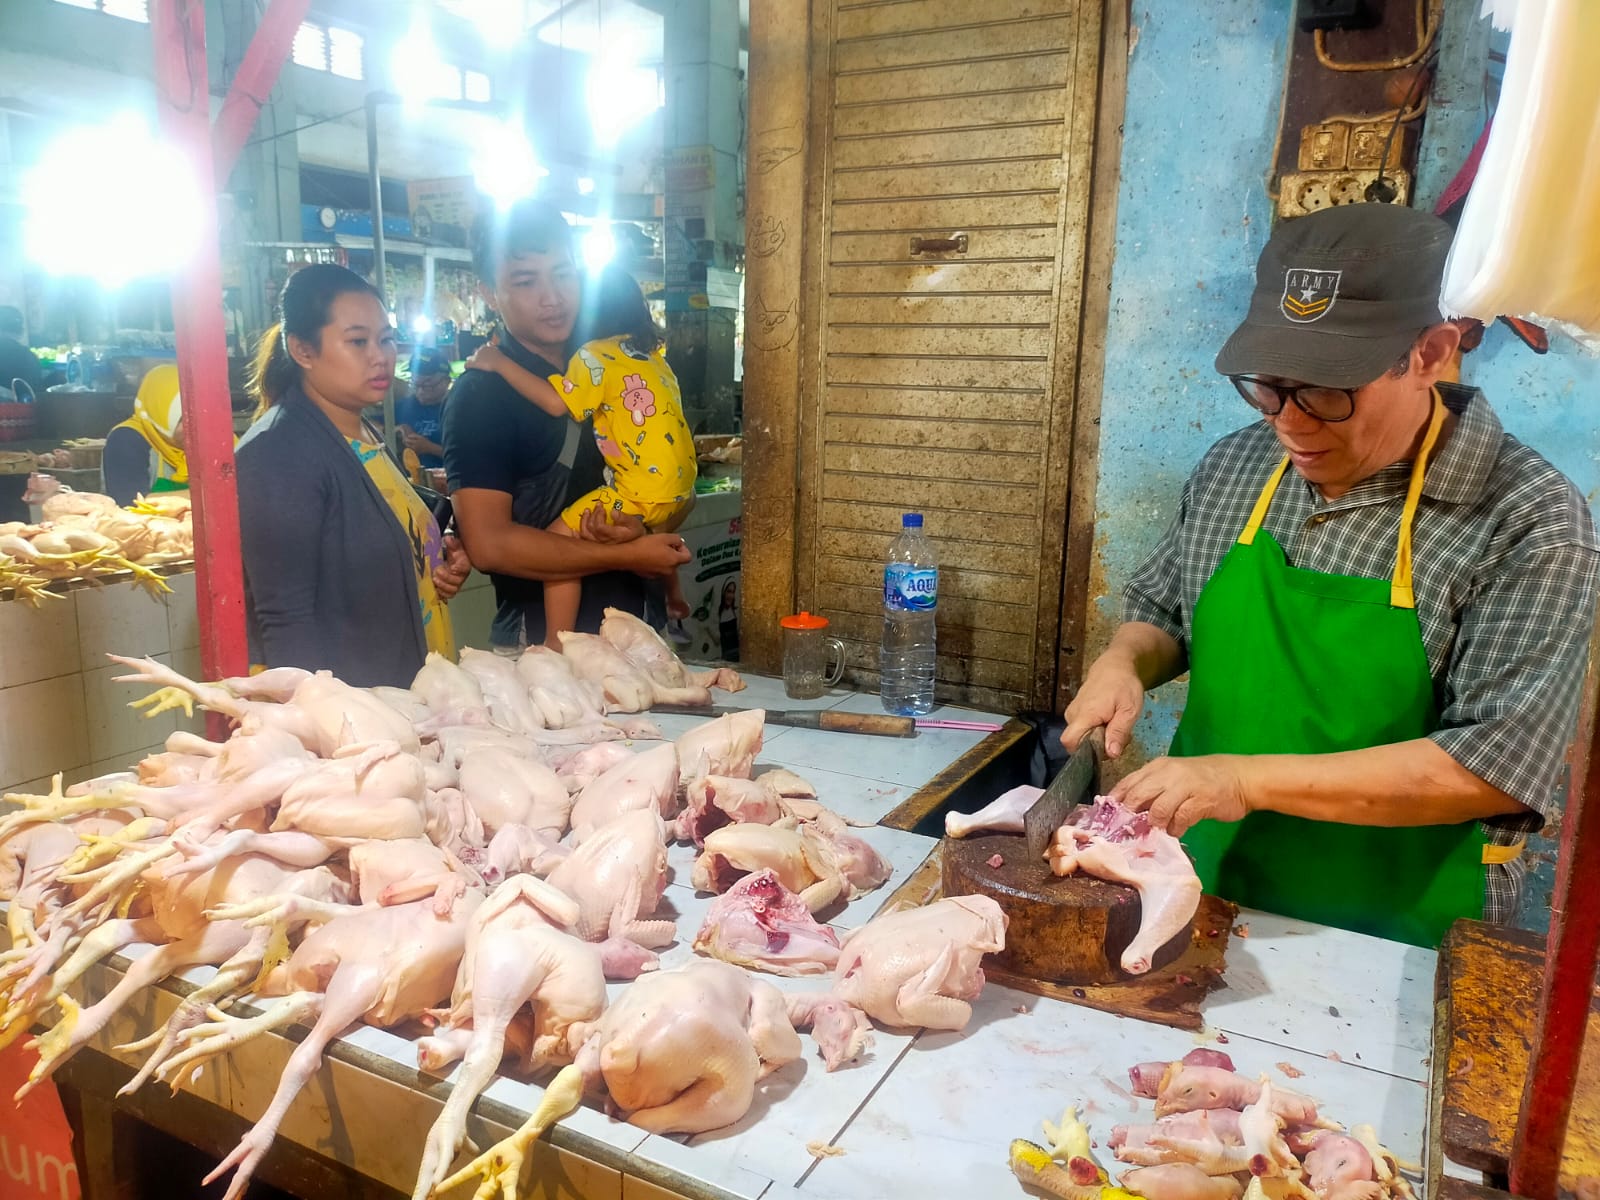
(624, 686)
(648, 780)
(1003, 814)
(760, 924)
(378, 965)
(919, 967)
(726, 746)
(563, 700)
(1109, 842)
(517, 953)
(445, 687)
(324, 713)
(379, 793)
(505, 788)
(682, 1051)
(510, 706)
(679, 1052)
(647, 650)
(819, 860)
(617, 877)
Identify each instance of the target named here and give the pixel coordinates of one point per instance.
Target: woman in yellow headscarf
(145, 453)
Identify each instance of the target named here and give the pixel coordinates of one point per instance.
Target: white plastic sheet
(1528, 243)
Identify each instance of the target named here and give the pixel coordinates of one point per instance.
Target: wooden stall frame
(791, 52)
(1082, 577)
(779, 121)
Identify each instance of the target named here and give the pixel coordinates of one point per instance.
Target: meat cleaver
(1075, 782)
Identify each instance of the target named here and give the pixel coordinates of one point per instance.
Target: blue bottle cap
(911, 521)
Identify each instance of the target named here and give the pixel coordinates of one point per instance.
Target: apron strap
(1498, 856)
(1263, 502)
(1401, 593)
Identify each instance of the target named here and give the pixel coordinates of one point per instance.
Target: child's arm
(489, 357)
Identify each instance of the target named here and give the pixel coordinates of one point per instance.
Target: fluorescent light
(74, 228)
(420, 73)
(505, 168)
(585, 186)
(599, 248)
(620, 95)
(421, 325)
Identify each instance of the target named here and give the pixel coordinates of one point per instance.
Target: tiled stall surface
(59, 709)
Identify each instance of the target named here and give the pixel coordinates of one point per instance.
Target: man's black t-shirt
(497, 440)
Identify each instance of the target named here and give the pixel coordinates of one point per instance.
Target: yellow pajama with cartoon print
(637, 408)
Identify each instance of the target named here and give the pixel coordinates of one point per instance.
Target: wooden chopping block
(1069, 930)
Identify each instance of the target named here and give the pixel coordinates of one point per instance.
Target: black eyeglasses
(1328, 404)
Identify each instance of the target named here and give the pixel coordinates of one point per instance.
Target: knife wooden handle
(881, 724)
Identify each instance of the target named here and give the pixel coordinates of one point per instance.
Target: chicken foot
(214, 944)
(350, 994)
(241, 974)
(500, 1166)
(223, 1034)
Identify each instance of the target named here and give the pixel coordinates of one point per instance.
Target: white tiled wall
(59, 710)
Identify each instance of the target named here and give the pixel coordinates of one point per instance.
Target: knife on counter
(1076, 782)
(878, 724)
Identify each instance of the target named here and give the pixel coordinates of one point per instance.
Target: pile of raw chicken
(1218, 1135)
(479, 853)
(86, 536)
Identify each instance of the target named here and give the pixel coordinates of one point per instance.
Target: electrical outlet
(1339, 14)
(1303, 192)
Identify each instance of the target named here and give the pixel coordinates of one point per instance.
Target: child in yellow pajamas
(621, 379)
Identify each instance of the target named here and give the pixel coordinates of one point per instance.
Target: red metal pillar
(183, 99)
(1569, 974)
(258, 73)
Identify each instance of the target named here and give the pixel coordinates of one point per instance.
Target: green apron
(1289, 661)
(167, 485)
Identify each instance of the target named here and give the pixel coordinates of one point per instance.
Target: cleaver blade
(1076, 781)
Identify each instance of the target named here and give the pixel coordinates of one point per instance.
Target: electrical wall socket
(1303, 192)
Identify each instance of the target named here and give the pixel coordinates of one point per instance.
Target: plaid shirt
(1505, 565)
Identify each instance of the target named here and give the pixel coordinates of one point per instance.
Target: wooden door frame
(786, 71)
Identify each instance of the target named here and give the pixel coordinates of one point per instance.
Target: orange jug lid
(804, 620)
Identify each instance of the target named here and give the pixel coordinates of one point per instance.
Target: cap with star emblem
(1340, 294)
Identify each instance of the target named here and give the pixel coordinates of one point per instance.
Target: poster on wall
(711, 580)
(442, 210)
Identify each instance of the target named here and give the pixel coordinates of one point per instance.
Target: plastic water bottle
(910, 595)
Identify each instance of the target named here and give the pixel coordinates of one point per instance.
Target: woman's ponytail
(273, 372)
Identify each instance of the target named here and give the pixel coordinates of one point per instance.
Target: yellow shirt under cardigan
(427, 544)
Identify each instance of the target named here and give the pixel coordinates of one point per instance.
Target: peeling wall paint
(1192, 213)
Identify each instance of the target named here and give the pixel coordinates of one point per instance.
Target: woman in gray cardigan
(345, 569)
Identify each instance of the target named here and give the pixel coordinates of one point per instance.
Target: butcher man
(1383, 601)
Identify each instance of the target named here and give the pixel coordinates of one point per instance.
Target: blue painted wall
(1192, 213)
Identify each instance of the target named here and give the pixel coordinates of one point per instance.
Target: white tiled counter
(59, 710)
(1343, 1018)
